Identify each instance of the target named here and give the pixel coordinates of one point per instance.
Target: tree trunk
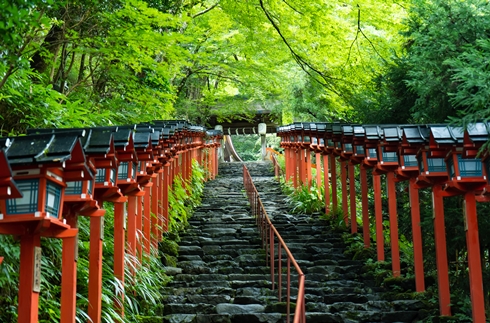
(40, 60)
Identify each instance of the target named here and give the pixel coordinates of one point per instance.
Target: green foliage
(441, 73)
(180, 202)
(305, 200)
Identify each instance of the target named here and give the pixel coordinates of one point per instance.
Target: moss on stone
(169, 247)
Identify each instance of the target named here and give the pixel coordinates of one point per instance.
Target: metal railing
(269, 236)
(277, 168)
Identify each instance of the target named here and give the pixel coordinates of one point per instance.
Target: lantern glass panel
(436, 165)
(372, 153)
(113, 176)
(306, 139)
(450, 167)
(133, 171)
(329, 143)
(90, 186)
(74, 188)
(471, 167)
(348, 147)
(420, 161)
(314, 141)
(300, 138)
(100, 176)
(122, 171)
(53, 199)
(28, 202)
(322, 142)
(360, 150)
(410, 161)
(389, 156)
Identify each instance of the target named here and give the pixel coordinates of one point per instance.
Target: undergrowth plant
(304, 199)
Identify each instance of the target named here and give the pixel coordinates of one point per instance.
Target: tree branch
(303, 63)
(206, 10)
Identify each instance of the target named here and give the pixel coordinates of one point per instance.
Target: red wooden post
(131, 228)
(69, 259)
(392, 209)
(119, 248)
(139, 226)
(154, 208)
(166, 187)
(302, 168)
(474, 261)
(333, 178)
(352, 191)
(147, 218)
(318, 161)
(294, 168)
(28, 295)
(378, 212)
(289, 164)
(345, 206)
(308, 179)
(365, 208)
(417, 237)
(441, 251)
(326, 183)
(95, 269)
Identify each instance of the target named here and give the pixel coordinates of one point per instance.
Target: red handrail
(277, 168)
(269, 234)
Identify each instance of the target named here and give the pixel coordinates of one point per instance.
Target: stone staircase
(223, 278)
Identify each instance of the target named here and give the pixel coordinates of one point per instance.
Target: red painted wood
(68, 300)
(392, 209)
(333, 179)
(95, 270)
(166, 186)
(131, 227)
(309, 179)
(326, 183)
(154, 209)
(378, 213)
(28, 299)
(345, 205)
(294, 169)
(147, 220)
(474, 260)
(417, 237)
(441, 251)
(365, 208)
(352, 191)
(139, 227)
(302, 168)
(119, 248)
